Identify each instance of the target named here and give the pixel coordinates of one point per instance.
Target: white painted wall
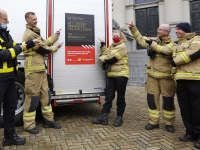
(161, 10)
(185, 11)
(119, 12)
(173, 10)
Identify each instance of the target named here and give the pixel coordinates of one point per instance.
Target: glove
(151, 53)
(173, 64)
(102, 44)
(149, 42)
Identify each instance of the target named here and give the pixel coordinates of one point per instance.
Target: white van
(75, 69)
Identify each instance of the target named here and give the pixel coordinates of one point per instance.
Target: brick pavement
(78, 133)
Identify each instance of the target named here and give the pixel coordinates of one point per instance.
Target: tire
(19, 81)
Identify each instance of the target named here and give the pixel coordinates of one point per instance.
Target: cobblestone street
(79, 133)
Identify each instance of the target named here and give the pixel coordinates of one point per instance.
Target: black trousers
(115, 84)
(8, 96)
(188, 94)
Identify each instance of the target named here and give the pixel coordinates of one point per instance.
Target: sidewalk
(78, 132)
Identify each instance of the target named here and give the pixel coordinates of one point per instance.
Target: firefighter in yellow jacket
(159, 79)
(36, 85)
(116, 56)
(186, 59)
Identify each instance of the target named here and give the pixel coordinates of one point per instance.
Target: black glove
(149, 42)
(173, 63)
(102, 44)
(105, 67)
(30, 44)
(151, 53)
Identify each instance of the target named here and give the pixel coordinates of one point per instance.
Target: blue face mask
(4, 25)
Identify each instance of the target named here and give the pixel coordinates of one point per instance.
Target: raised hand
(58, 32)
(101, 41)
(130, 25)
(59, 44)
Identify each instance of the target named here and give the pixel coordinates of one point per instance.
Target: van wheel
(19, 81)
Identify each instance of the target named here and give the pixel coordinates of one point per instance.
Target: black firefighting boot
(51, 124)
(188, 137)
(197, 144)
(151, 127)
(103, 119)
(170, 128)
(14, 140)
(118, 121)
(33, 131)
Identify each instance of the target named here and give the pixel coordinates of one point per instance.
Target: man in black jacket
(8, 70)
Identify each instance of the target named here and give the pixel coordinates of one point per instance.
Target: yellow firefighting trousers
(36, 90)
(167, 88)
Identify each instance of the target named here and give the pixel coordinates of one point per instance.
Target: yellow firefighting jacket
(186, 56)
(35, 57)
(159, 67)
(118, 52)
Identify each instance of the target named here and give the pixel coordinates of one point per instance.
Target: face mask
(116, 39)
(4, 25)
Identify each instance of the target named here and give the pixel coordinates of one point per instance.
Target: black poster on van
(79, 39)
(79, 29)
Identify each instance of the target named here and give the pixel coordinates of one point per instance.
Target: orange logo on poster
(79, 59)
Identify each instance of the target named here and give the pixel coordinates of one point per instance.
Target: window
(143, 1)
(147, 22)
(195, 16)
